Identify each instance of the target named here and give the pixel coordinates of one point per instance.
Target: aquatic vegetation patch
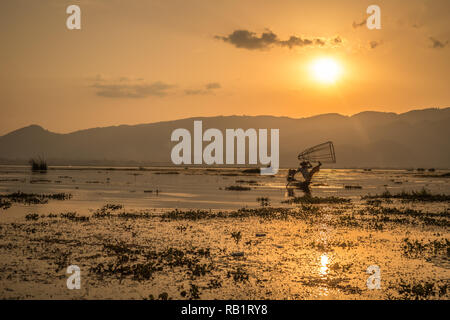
(32, 217)
(317, 200)
(264, 213)
(423, 290)
(33, 198)
(35, 181)
(72, 216)
(140, 263)
(193, 294)
(237, 188)
(214, 284)
(410, 212)
(347, 220)
(333, 283)
(422, 195)
(327, 246)
(166, 172)
(374, 202)
(162, 296)
(12, 180)
(311, 210)
(5, 204)
(238, 275)
(135, 215)
(414, 248)
(138, 271)
(263, 201)
(408, 215)
(188, 215)
(352, 187)
(107, 210)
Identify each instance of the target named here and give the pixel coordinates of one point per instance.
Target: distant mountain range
(418, 138)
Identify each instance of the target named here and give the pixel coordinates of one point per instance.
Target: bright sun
(325, 70)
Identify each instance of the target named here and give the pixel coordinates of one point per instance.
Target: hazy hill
(368, 139)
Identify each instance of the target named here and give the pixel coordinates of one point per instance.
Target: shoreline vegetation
(420, 172)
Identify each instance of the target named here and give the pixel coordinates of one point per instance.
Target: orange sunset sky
(142, 61)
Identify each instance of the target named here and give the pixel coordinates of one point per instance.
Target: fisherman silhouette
(307, 174)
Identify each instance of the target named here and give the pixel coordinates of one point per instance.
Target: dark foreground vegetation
(206, 254)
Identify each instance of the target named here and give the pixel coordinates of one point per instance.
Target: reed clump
(38, 165)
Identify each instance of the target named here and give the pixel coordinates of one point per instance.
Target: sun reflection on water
(324, 264)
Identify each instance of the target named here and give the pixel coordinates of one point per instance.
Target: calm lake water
(321, 252)
(194, 188)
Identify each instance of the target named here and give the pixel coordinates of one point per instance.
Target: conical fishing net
(323, 152)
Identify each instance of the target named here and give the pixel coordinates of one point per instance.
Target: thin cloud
(208, 89)
(213, 85)
(251, 41)
(337, 40)
(437, 44)
(319, 42)
(295, 42)
(129, 88)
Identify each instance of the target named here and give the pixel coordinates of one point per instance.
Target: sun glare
(325, 70)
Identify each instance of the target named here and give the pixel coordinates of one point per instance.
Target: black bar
(236, 309)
